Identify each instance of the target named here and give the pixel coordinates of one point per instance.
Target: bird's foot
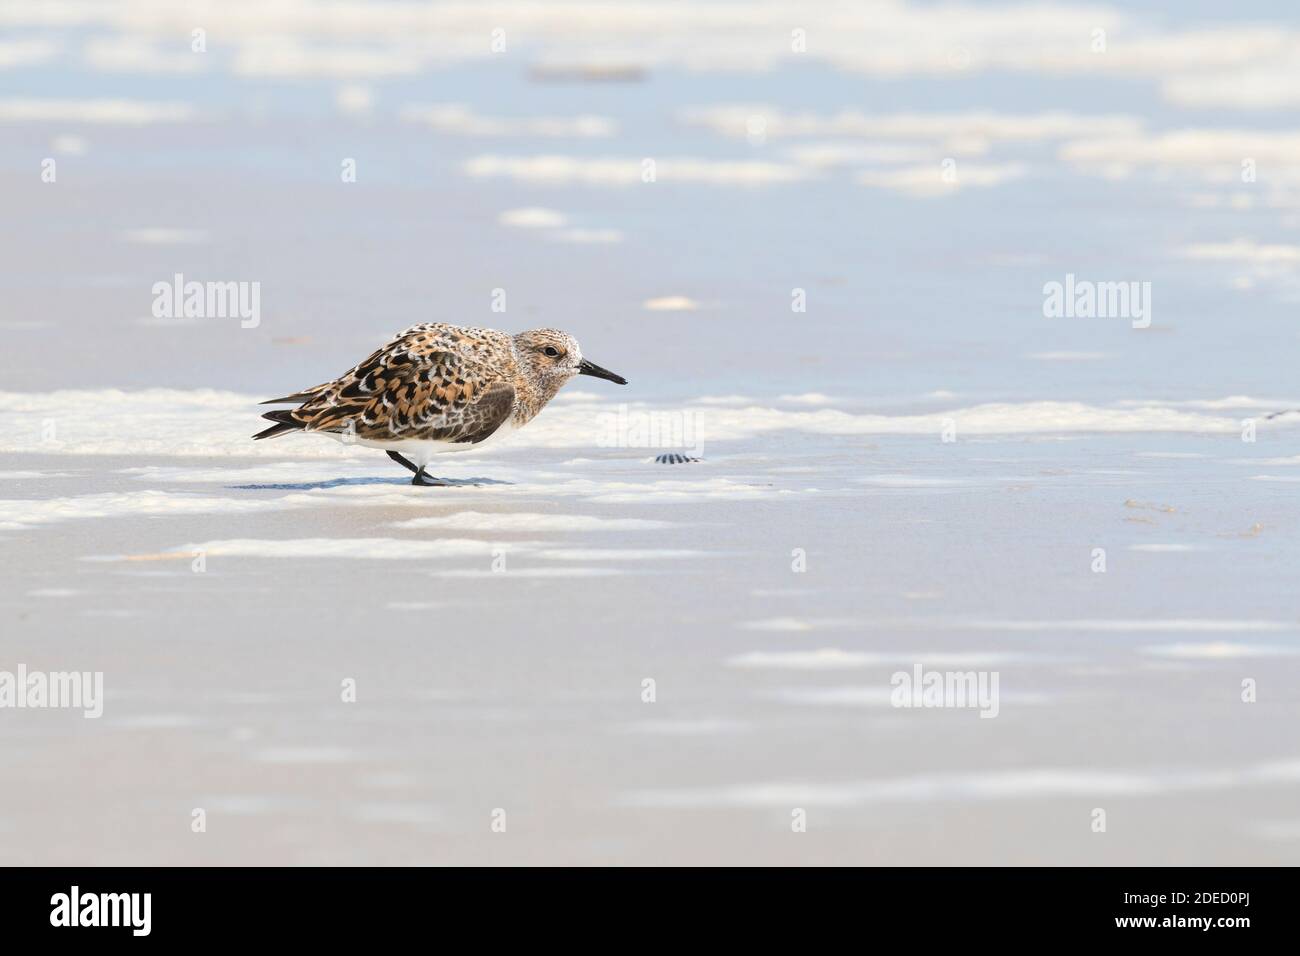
(424, 481)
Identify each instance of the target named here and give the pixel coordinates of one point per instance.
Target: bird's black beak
(591, 368)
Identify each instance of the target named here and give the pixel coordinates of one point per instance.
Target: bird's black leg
(403, 461)
(425, 481)
(420, 477)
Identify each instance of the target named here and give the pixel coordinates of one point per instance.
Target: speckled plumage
(438, 387)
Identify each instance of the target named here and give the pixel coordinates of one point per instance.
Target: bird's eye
(551, 351)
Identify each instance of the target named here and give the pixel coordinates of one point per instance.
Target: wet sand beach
(911, 461)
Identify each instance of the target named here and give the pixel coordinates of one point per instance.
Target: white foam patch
(68, 144)
(873, 696)
(397, 492)
(944, 129)
(530, 521)
(619, 554)
(128, 54)
(670, 303)
(829, 658)
(381, 549)
(794, 624)
(532, 217)
(1033, 783)
(679, 492)
(208, 423)
(18, 513)
(928, 180)
(1169, 625)
(24, 53)
(1212, 155)
(988, 419)
(1264, 87)
(1219, 650)
(1244, 65)
(561, 170)
(1227, 403)
(1249, 262)
(1243, 250)
(29, 512)
(807, 398)
(354, 99)
(460, 120)
(514, 572)
(268, 473)
(1255, 462)
(1077, 625)
(838, 155)
(530, 483)
(164, 236)
(285, 57)
(112, 112)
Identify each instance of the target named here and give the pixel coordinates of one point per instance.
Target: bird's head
(554, 357)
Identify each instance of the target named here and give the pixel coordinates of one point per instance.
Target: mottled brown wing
(488, 414)
(413, 390)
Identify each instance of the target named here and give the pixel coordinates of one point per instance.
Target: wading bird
(438, 388)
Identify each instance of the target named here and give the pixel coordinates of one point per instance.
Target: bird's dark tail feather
(297, 398)
(284, 422)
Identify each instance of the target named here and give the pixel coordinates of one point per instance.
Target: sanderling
(438, 388)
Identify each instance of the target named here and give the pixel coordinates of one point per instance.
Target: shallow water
(521, 687)
(919, 469)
